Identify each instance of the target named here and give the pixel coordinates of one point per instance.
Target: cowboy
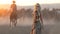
(13, 8)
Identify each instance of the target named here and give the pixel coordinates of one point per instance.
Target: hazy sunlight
(29, 2)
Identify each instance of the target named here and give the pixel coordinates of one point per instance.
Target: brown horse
(13, 19)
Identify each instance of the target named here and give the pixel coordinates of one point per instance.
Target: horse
(13, 19)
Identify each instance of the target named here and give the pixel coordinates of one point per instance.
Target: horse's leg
(23, 18)
(15, 23)
(10, 23)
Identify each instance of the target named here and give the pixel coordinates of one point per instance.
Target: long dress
(36, 29)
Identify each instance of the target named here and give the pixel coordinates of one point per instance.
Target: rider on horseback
(13, 16)
(13, 9)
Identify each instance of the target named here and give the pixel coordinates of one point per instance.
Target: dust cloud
(25, 25)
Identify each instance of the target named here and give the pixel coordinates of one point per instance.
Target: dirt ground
(24, 27)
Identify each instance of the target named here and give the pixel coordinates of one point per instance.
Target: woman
(37, 20)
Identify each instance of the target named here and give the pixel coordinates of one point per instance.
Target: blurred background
(50, 10)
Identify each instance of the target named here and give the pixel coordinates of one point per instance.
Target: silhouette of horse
(13, 16)
(13, 19)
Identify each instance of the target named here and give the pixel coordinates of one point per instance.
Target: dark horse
(13, 19)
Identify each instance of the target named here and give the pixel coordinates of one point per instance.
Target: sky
(29, 2)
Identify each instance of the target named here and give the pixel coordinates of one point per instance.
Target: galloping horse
(13, 16)
(13, 19)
